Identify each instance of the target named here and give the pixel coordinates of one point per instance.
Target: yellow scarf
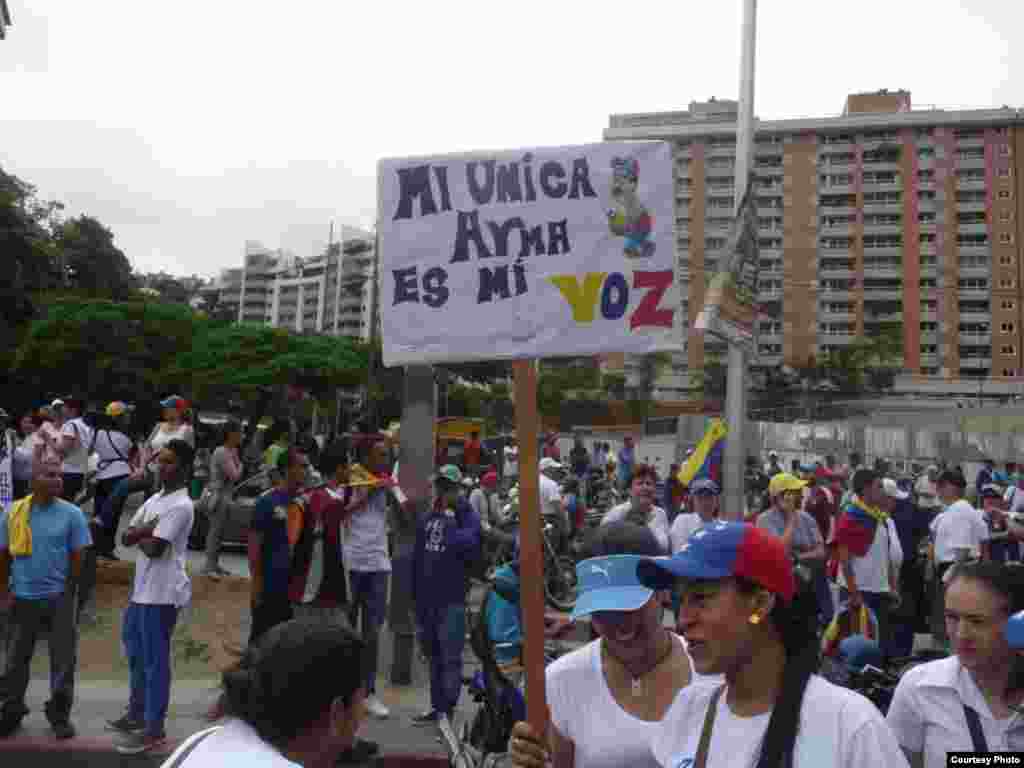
(879, 515)
(19, 531)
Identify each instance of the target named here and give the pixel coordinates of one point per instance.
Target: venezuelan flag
(856, 526)
(706, 459)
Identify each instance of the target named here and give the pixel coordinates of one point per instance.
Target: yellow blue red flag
(706, 459)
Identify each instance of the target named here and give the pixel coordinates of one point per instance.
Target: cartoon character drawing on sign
(629, 217)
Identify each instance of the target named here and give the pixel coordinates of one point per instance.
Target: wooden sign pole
(531, 562)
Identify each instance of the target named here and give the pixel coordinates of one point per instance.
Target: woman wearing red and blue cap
(746, 615)
(608, 699)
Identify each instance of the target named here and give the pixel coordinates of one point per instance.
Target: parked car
(236, 527)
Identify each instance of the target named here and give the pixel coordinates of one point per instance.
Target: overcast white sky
(190, 127)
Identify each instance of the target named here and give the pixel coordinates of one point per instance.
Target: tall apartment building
(882, 214)
(332, 293)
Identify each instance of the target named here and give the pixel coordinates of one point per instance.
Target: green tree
(105, 350)
(94, 265)
(254, 365)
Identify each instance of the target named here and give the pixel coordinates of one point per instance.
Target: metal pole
(735, 416)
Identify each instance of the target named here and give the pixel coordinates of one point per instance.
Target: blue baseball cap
(609, 584)
(704, 485)
(1015, 631)
(723, 549)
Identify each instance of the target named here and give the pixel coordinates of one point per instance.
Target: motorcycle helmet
(857, 651)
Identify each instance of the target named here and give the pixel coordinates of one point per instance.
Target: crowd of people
(736, 683)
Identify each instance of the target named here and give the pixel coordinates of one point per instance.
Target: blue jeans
(369, 601)
(146, 632)
(443, 639)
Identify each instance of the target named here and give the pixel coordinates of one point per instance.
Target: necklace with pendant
(637, 683)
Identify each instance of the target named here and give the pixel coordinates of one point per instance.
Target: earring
(755, 619)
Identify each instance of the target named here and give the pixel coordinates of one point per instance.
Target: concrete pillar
(416, 465)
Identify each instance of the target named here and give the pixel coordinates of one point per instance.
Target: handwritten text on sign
(533, 253)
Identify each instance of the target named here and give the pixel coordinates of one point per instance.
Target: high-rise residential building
(884, 214)
(332, 293)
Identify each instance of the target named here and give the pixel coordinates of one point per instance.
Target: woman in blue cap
(607, 699)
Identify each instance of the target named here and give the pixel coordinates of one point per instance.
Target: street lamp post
(735, 393)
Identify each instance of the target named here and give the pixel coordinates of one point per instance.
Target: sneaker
(126, 724)
(427, 718)
(63, 730)
(137, 743)
(376, 707)
(359, 753)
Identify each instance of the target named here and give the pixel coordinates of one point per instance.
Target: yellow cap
(783, 482)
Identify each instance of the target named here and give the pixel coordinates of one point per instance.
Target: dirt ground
(213, 618)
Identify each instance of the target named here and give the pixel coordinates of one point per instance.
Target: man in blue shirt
(447, 542)
(270, 549)
(42, 539)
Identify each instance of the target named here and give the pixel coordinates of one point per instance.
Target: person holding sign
(640, 508)
(746, 614)
(969, 701)
(629, 676)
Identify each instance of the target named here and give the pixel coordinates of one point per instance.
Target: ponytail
(796, 622)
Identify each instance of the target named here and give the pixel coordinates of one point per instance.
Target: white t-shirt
(159, 439)
(961, 525)
(163, 580)
(838, 728)
(550, 496)
(872, 570)
(603, 734)
(927, 714)
(511, 468)
(76, 461)
(111, 446)
(658, 522)
(234, 743)
(684, 526)
(365, 544)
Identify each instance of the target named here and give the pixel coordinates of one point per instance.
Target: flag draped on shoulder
(706, 459)
(359, 476)
(857, 525)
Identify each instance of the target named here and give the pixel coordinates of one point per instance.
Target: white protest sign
(528, 253)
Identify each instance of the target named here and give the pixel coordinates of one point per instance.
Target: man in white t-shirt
(958, 533)
(160, 530)
(550, 492)
(705, 496)
(510, 467)
(75, 439)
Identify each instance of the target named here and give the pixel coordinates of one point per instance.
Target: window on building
(928, 282)
(929, 260)
(1007, 328)
(1008, 304)
(969, 133)
(973, 261)
(926, 195)
(973, 307)
(926, 217)
(972, 240)
(1007, 349)
(929, 370)
(1004, 173)
(1005, 237)
(929, 349)
(882, 198)
(1009, 373)
(1005, 283)
(1003, 194)
(1006, 260)
(926, 177)
(972, 284)
(929, 327)
(929, 305)
(925, 152)
(926, 237)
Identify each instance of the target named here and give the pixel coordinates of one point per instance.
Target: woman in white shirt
(746, 614)
(967, 702)
(117, 454)
(608, 698)
(640, 508)
(295, 699)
